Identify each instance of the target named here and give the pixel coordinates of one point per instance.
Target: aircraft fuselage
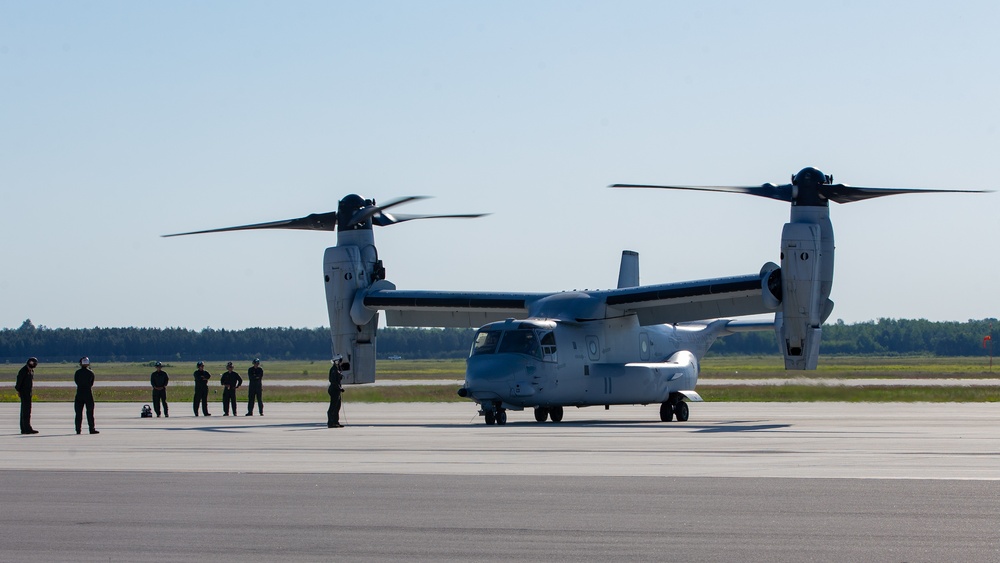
(515, 364)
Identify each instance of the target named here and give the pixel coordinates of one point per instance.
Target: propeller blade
(312, 222)
(841, 193)
(782, 193)
(385, 219)
(361, 211)
(370, 211)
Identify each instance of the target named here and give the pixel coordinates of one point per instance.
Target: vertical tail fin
(628, 272)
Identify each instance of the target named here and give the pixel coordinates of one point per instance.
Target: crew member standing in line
(255, 375)
(84, 379)
(335, 390)
(23, 384)
(201, 378)
(159, 379)
(230, 382)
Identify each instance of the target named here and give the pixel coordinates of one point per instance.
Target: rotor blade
(385, 219)
(402, 200)
(312, 222)
(366, 213)
(782, 193)
(842, 193)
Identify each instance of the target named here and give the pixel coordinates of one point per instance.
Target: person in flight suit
(335, 390)
(255, 375)
(230, 382)
(23, 384)
(201, 378)
(84, 379)
(159, 380)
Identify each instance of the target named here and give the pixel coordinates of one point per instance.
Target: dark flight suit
(335, 390)
(255, 375)
(230, 382)
(201, 391)
(23, 385)
(159, 381)
(84, 379)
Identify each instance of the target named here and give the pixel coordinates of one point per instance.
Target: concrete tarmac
(739, 481)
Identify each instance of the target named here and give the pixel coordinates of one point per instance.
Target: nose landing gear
(494, 414)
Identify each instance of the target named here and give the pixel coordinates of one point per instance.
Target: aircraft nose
(488, 377)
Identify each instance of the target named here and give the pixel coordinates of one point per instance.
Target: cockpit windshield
(520, 342)
(537, 342)
(486, 342)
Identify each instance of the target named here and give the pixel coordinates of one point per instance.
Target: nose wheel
(495, 416)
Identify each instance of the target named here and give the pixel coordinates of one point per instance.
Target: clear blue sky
(122, 121)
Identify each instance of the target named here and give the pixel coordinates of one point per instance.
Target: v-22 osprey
(635, 344)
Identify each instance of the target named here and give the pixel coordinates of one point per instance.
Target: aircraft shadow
(246, 427)
(719, 427)
(725, 427)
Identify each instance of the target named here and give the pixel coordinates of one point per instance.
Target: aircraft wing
(458, 309)
(652, 304)
(697, 300)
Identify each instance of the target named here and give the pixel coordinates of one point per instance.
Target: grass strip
(789, 393)
(282, 394)
(793, 393)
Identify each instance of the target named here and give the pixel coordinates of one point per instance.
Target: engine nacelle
(346, 273)
(799, 326)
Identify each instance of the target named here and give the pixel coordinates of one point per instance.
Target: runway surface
(739, 481)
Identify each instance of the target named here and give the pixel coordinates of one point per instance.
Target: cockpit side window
(549, 346)
(486, 342)
(520, 342)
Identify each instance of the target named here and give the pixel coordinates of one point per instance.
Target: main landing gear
(542, 413)
(496, 414)
(674, 406)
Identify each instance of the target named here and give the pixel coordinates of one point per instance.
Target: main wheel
(556, 414)
(681, 410)
(541, 413)
(491, 418)
(501, 417)
(666, 412)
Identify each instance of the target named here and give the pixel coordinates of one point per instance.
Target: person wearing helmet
(255, 375)
(201, 378)
(23, 384)
(335, 390)
(84, 379)
(231, 381)
(159, 380)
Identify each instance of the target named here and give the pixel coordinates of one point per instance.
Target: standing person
(159, 380)
(231, 381)
(335, 390)
(25, 381)
(201, 378)
(255, 375)
(84, 379)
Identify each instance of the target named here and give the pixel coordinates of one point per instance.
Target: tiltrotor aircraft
(636, 344)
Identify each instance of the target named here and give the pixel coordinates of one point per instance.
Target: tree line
(180, 344)
(881, 337)
(884, 337)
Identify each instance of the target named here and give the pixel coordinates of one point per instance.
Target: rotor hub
(807, 187)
